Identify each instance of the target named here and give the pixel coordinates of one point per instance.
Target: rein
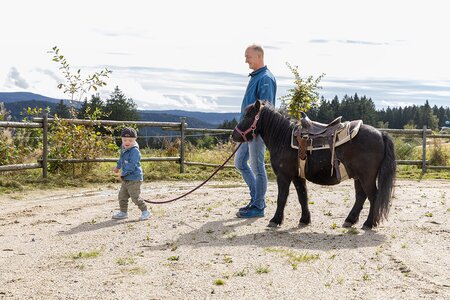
(200, 185)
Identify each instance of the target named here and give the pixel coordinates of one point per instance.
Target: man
(262, 86)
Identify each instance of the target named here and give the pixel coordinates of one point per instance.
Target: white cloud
(14, 79)
(190, 53)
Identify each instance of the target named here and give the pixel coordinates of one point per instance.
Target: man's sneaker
(145, 215)
(251, 212)
(245, 207)
(120, 215)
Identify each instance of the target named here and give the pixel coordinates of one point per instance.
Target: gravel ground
(62, 244)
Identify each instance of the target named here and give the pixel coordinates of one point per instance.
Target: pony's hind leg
(360, 198)
(283, 192)
(302, 193)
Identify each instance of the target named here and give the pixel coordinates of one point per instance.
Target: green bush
(405, 148)
(439, 156)
(71, 141)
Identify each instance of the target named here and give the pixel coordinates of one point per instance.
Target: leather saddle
(314, 128)
(311, 135)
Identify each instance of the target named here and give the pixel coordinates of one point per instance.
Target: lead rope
(200, 185)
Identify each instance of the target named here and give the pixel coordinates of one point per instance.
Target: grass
(134, 271)
(262, 270)
(173, 258)
(351, 230)
(83, 254)
(101, 173)
(125, 261)
(219, 282)
(228, 259)
(241, 273)
(293, 257)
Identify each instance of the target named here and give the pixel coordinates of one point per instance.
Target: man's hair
(257, 48)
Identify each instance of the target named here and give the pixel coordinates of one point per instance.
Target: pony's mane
(281, 111)
(277, 125)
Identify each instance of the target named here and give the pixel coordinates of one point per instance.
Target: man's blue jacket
(262, 86)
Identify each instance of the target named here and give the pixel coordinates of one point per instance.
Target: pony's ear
(257, 105)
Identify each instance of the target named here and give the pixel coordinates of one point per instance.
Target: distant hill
(17, 102)
(166, 117)
(212, 118)
(25, 96)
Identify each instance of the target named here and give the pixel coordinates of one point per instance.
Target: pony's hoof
(347, 224)
(367, 227)
(302, 225)
(272, 225)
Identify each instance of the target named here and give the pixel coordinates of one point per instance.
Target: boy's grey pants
(131, 189)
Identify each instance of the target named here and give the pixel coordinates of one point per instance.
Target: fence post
(182, 130)
(424, 148)
(44, 145)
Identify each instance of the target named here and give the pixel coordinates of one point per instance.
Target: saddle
(311, 135)
(315, 128)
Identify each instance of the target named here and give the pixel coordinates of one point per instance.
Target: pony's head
(247, 128)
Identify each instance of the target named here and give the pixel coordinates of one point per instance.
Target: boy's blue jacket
(262, 86)
(130, 163)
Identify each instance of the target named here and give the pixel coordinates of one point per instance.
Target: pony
(369, 159)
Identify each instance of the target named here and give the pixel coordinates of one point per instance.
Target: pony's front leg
(283, 191)
(302, 193)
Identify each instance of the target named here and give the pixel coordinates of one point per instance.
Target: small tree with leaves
(75, 85)
(303, 96)
(77, 141)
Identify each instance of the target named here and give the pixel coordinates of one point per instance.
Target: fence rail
(182, 127)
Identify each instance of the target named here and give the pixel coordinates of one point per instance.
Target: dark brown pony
(368, 158)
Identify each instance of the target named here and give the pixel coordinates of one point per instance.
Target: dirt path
(63, 245)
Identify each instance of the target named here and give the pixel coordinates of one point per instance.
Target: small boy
(131, 175)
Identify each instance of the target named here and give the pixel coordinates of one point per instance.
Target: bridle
(252, 128)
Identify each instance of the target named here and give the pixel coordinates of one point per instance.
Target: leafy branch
(303, 96)
(75, 85)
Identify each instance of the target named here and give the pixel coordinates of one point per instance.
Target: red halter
(252, 128)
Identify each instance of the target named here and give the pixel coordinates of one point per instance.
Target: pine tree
(119, 107)
(62, 110)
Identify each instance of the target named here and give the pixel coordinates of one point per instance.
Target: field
(62, 244)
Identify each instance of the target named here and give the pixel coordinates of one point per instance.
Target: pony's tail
(386, 180)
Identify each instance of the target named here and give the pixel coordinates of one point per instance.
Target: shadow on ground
(223, 233)
(86, 227)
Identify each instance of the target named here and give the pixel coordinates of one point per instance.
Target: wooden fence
(182, 127)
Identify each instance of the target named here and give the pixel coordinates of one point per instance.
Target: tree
(303, 96)
(62, 110)
(228, 124)
(119, 107)
(95, 104)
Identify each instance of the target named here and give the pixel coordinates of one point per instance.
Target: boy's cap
(128, 132)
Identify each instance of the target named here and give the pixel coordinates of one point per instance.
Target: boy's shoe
(144, 215)
(120, 215)
(251, 212)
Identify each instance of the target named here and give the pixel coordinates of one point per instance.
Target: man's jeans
(255, 176)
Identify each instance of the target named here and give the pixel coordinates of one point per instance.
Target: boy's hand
(115, 170)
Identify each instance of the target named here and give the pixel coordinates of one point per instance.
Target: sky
(178, 54)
